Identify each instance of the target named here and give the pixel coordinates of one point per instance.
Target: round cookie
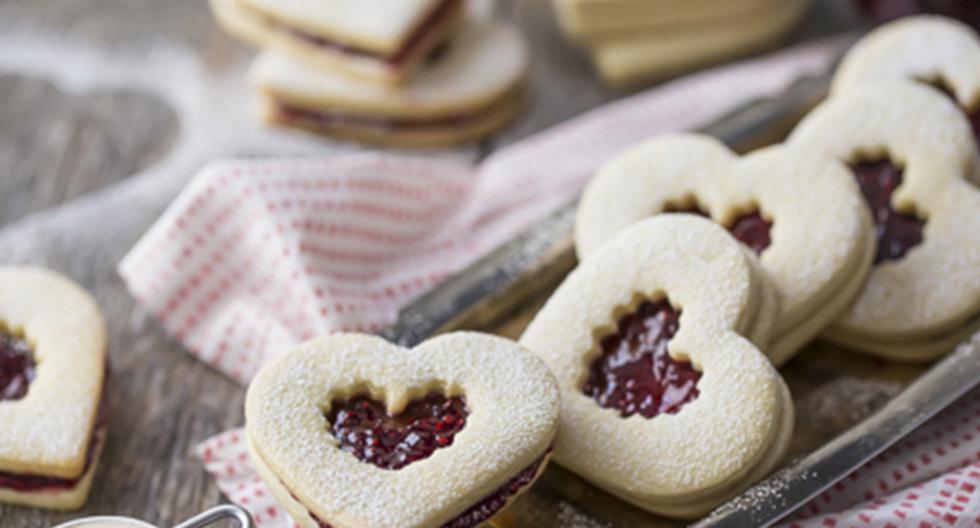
(352, 431)
(472, 89)
(52, 377)
(665, 403)
(802, 213)
(935, 50)
(913, 153)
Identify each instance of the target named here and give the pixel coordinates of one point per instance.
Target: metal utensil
(206, 518)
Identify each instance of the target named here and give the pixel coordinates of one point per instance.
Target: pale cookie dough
(52, 429)
(687, 460)
(587, 19)
(381, 40)
(470, 91)
(822, 241)
(512, 401)
(630, 59)
(930, 49)
(914, 306)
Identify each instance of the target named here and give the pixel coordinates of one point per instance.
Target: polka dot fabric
(929, 480)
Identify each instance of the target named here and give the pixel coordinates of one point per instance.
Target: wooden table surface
(107, 107)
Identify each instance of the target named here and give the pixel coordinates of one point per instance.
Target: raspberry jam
(16, 366)
(896, 232)
(487, 507)
(635, 374)
(366, 430)
(750, 229)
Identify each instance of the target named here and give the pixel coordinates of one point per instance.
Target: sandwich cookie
(912, 153)
(933, 50)
(381, 40)
(351, 431)
(470, 89)
(665, 400)
(52, 389)
(802, 213)
(628, 59)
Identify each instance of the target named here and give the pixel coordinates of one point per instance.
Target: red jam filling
(750, 229)
(28, 483)
(635, 374)
(487, 507)
(366, 430)
(16, 366)
(896, 232)
(436, 18)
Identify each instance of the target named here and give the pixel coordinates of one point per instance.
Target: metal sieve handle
(218, 513)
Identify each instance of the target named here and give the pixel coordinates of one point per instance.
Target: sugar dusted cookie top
(927, 285)
(47, 430)
(511, 413)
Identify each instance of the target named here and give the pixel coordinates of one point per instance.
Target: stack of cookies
(402, 72)
(640, 40)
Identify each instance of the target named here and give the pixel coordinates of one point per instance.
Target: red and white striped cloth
(256, 256)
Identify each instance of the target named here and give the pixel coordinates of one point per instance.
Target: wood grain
(69, 139)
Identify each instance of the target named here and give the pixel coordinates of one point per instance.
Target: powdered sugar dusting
(513, 406)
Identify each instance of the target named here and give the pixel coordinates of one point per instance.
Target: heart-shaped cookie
(912, 152)
(938, 51)
(351, 431)
(802, 213)
(664, 402)
(52, 374)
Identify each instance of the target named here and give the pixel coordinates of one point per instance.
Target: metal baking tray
(884, 401)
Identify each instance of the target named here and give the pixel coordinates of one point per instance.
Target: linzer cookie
(352, 431)
(934, 50)
(775, 201)
(380, 40)
(52, 378)
(469, 89)
(665, 400)
(912, 153)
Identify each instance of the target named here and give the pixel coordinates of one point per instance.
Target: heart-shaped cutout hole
(16, 366)
(895, 232)
(366, 429)
(635, 374)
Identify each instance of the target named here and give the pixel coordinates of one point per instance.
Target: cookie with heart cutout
(52, 384)
(934, 50)
(775, 201)
(351, 431)
(912, 153)
(665, 400)
(382, 41)
(472, 89)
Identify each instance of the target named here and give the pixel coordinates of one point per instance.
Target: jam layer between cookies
(895, 232)
(440, 15)
(17, 366)
(365, 429)
(635, 374)
(485, 508)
